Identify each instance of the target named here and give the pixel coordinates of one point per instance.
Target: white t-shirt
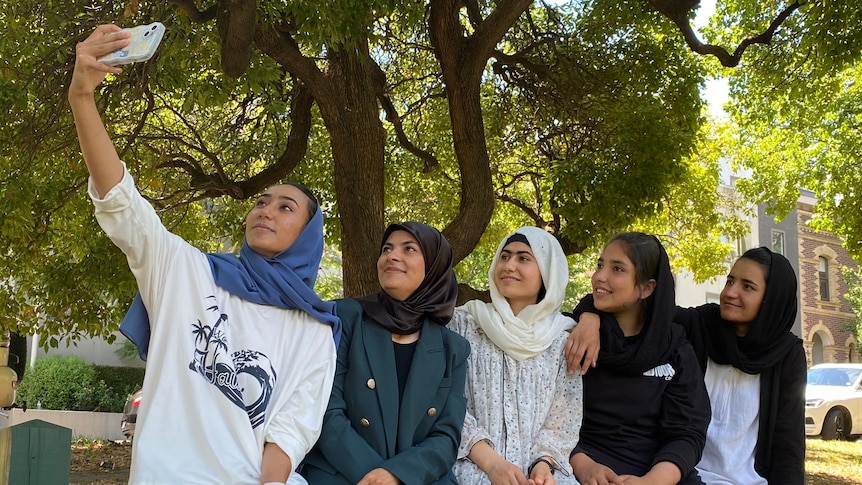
(223, 375)
(731, 439)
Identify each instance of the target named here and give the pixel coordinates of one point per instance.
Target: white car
(833, 401)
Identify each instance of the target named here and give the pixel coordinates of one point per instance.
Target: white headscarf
(534, 329)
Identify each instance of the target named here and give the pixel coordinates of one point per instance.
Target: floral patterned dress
(525, 409)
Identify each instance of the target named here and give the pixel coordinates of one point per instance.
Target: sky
(716, 90)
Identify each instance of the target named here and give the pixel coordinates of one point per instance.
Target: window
(823, 272)
(777, 241)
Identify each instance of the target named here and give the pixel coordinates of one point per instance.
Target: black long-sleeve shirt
(633, 422)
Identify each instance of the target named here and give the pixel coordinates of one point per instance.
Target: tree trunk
(462, 63)
(358, 151)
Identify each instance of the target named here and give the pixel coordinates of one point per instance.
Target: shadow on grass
(824, 479)
(833, 462)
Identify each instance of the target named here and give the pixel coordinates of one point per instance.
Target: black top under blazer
(365, 426)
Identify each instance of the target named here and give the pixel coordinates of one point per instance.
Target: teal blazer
(365, 427)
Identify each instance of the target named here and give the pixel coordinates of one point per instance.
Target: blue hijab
(285, 281)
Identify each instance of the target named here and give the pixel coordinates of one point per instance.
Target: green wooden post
(39, 453)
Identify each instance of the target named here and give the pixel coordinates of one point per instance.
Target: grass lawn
(833, 462)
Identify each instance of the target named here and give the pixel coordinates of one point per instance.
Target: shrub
(69, 383)
(120, 382)
(59, 382)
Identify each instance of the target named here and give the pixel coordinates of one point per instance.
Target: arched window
(816, 350)
(823, 272)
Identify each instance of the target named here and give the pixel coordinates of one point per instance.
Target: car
(833, 401)
(130, 414)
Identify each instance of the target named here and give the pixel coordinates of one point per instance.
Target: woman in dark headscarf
(755, 372)
(397, 402)
(646, 409)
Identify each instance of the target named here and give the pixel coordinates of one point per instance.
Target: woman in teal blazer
(397, 404)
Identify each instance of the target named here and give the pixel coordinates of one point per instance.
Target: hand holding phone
(142, 45)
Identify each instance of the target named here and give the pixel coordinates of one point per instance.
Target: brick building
(825, 313)
(818, 258)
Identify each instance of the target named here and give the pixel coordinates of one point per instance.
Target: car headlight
(813, 403)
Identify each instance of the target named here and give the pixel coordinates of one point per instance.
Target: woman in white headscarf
(524, 409)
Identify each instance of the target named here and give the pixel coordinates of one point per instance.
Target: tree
(854, 297)
(582, 118)
(795, 116)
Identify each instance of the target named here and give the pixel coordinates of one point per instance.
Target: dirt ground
(101, 463)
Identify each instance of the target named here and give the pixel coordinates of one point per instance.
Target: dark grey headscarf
(434, 298)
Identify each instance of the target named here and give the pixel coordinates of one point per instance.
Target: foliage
(126, 350)
(853, 296)
(119, 383)
(795, 109)
(582, 117)
(61, 382)
(68, 383)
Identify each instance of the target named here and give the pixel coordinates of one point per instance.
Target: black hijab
(769, 338)
(435, 296)
(659, 336)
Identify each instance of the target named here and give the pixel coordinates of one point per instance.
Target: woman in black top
(755, 371)
(645, 404)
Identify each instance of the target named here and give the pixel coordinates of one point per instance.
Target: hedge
(68, 383)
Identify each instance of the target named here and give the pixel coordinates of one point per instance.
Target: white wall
(92, 350)
(83, 424)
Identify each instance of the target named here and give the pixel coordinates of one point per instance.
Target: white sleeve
(296, 426)
(471, 433)
(133, 226)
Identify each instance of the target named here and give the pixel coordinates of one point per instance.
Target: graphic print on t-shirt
(665, 370)
(246, 377)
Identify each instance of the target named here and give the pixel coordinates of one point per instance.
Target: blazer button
(371, 384)
(365, 423)
(432, 411)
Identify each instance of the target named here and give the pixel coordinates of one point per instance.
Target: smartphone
(142, 45)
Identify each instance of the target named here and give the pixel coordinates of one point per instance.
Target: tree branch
(294, 152)
(489, 33)
(678, 12)
(278, 44)
(218, 184)
(531, 213)
(195, 15)
(474, 13)
(392, 116)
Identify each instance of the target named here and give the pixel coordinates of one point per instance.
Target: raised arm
(101, 157)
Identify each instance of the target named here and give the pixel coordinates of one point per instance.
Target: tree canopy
(796, 114)
(476, 116)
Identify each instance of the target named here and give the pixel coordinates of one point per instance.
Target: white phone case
(142, 45)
